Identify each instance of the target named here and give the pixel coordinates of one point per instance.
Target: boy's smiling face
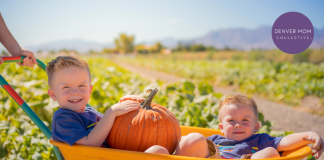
(71, 88)
(238, 122)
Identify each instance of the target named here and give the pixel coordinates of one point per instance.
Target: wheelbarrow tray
(81, 152)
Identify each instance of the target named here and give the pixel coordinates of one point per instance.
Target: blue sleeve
(268, 141)
(215, 138)
(68, 128)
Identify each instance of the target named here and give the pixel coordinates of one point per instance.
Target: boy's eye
(81, 85)
(245, 120)
(231, 120)
(66, 87)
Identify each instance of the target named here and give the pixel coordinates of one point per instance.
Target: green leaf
(188, 87)
(218, 95)
(205, 88)
(37, 156)
(3, 152)
(4, 125)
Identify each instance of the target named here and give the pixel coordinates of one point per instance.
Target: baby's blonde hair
(63, 62)
(238, 99)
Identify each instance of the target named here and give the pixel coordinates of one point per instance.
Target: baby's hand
(318, 144)
(132, 97)
(125, 107)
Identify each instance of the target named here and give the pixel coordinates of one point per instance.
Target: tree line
(125, 44)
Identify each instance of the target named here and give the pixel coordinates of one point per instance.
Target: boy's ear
(51, 94)
(91, 88)
(220, 125)
(257, 126)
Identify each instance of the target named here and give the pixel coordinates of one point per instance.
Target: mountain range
(77, 44)
(260, 38)
(238, 38)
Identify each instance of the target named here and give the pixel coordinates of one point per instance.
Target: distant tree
(226, 48)
(64, 51)
(211, 48)
(52, 52)
(186, 47)
(141, 48)
(118, 44)
(158, 47)
(125, 43)
(197, 48)
(109, 50)
(92, 52)
(179, 47)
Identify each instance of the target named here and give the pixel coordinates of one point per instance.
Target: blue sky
(34, 22)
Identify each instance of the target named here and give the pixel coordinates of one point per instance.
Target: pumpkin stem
(146, 104)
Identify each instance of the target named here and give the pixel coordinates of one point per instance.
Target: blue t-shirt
(69, 126)
(231, 149)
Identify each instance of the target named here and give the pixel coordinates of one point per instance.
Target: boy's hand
(125, 107)
(132, 97)
(318, 144)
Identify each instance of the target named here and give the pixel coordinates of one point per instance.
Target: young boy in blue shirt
(74, 123)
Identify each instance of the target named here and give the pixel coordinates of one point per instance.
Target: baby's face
(71, 88)
(238, 122)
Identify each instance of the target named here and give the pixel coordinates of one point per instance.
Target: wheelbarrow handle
(21, 58)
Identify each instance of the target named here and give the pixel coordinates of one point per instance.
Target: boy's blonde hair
(238, 99)
(63, 62)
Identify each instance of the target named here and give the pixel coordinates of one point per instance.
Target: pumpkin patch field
(192, 104)
(279, 81)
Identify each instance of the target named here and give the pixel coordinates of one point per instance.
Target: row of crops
(194, 104)
(285, 82)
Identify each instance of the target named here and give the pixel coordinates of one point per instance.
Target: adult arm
(10, 43)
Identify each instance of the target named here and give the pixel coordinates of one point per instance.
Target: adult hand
(1, 60)
(29, 60)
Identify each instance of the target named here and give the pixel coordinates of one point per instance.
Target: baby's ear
(220, 125)
(51, 94)
(257, 126)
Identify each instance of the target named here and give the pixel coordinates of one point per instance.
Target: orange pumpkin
(151, 125)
